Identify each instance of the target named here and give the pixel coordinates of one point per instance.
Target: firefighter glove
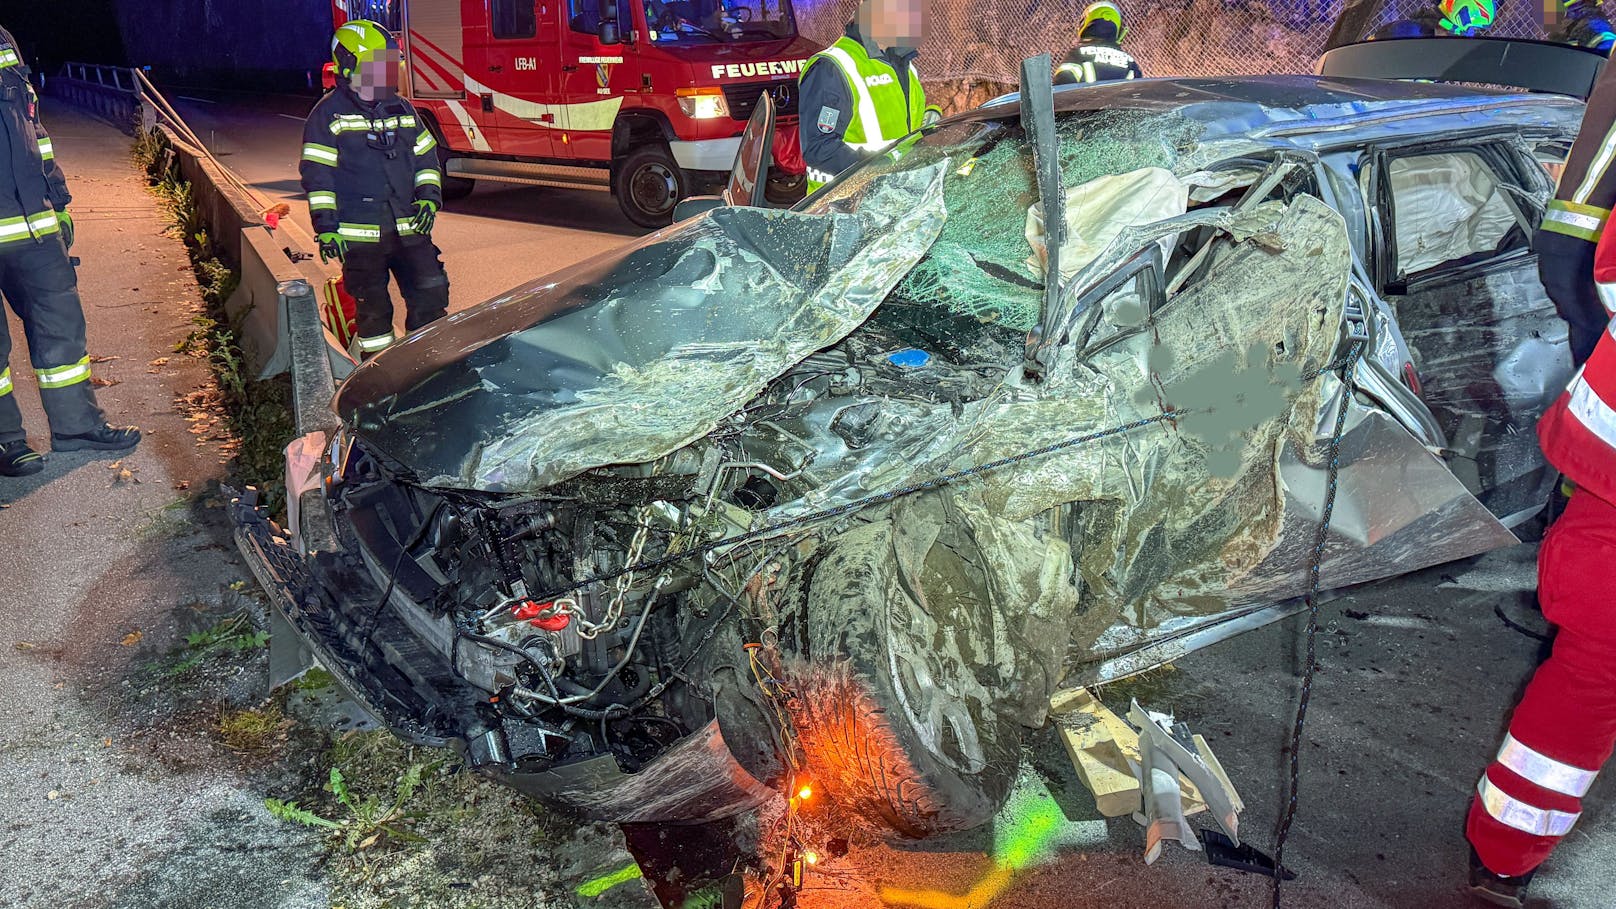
(65, 222)
(426, 214)
(332, 246)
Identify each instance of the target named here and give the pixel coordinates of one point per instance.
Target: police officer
(1098, 56)
(863, 93)
(38, 281)
(370, 169)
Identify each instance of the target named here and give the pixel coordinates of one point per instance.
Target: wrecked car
(838, 496)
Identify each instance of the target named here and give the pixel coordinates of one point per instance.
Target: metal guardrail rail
(292, 333)
(117, 78)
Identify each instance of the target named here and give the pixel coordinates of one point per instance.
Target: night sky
(54, 31)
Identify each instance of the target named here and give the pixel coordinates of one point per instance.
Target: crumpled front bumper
(412, 691)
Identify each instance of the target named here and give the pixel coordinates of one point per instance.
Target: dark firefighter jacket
(366, 165)
(1587, 189)
(32, 187)
(1094, 60)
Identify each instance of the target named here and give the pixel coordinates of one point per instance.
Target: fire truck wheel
(649, 184)
(457, 188)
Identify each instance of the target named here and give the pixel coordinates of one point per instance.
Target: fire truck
(646, 99)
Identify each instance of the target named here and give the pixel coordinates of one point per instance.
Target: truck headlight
(706, 103)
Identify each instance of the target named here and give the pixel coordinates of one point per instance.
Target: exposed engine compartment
(614, 668)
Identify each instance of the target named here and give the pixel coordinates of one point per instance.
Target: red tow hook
(543, 616)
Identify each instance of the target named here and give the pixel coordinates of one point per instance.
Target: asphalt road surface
(500, 237)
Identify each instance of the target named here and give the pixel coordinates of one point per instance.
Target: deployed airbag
(1447, 207)
(1101, 209)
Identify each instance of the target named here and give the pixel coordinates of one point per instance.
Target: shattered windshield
(630, 356)
(986, 266)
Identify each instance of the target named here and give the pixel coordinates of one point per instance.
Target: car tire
(785, 191)
(863, 692)
(648, 184)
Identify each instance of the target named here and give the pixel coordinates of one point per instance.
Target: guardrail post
(312, 383)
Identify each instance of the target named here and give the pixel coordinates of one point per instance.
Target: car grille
(743, 98)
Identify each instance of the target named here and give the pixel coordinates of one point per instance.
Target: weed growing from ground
(258, 413)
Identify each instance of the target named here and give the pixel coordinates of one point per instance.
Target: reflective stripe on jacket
(32, 187)
(886, 105)
(366, 165)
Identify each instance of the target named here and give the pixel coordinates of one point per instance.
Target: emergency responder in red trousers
(39, 284)
(370, 168)
(1563, 729)
(1098, 56)
(1576, 219)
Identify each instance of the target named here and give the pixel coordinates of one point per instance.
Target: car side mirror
(607, 32)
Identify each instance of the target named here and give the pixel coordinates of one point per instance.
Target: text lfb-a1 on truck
(645, 98)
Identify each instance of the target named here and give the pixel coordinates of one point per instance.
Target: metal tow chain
(1349, 369)
(856, 505)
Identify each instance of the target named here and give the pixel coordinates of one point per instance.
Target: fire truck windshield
(386, 13)
(673, 21)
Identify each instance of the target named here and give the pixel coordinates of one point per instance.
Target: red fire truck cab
(644, 98)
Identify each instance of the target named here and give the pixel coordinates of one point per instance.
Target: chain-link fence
(974, 50)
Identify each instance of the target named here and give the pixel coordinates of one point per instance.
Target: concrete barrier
(275, 308)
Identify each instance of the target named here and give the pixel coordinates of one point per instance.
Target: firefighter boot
(107, 438)
(18, 460)
(1497, 890)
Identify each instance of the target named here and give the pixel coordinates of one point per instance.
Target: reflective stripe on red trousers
(1565, 725)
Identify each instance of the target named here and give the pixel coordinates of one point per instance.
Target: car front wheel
(892, 710)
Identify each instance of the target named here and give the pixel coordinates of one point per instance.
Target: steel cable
(1310, 669)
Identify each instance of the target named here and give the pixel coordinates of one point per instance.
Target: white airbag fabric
(1099, 210)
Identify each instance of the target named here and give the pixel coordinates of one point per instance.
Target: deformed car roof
(463, 402)
(1295, 106)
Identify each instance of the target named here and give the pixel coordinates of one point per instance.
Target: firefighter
(1457, 18)
(1098, 56)
(1563, 728)
(370, 169)
(1575, 220)
(862, 93)
(1583, 24)
(38, 281)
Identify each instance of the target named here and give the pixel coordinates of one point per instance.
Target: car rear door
(1451, 251)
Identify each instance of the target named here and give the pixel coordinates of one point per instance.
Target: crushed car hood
(635, 354)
